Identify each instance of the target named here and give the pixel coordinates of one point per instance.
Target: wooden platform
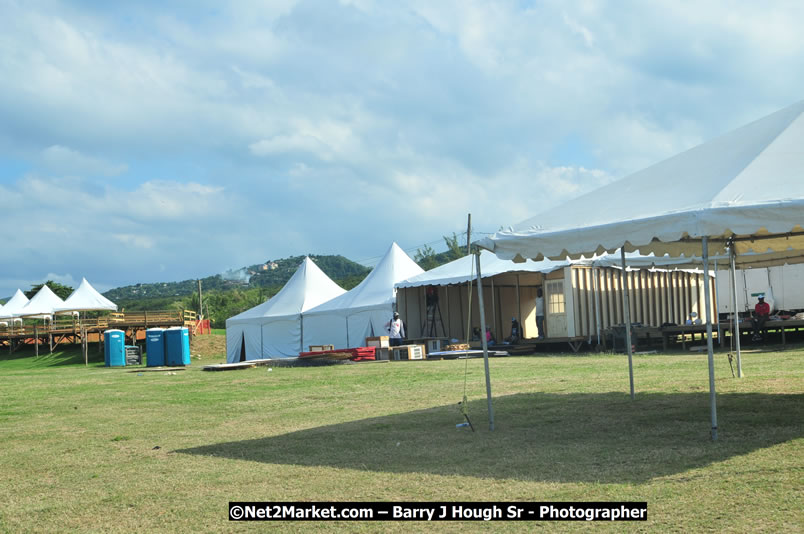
(237, 365)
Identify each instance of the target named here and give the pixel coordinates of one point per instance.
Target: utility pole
(200, 302)
(468, 234)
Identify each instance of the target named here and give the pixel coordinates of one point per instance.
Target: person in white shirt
(540, 313)
(396, 330)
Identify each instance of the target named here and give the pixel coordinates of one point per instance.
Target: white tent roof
(462, 270)
(42, 304)
(86, 298)
(377, 288)
(308, 287)
(14, 305)
(748, 183)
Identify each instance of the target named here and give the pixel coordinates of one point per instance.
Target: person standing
(396, 330)
(761, 314)
(540, 313)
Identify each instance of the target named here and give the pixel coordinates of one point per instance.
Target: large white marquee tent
(363, 311)
(273, 329)
(741, 193)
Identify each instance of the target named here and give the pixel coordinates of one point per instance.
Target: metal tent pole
(595, 275)
(485, 344)
(736, 331)
(627, 313)
(709, 348)
(717, 303)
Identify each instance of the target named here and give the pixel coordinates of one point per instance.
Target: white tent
(742, 193)
(363, 311)
(461, 270)
(273, 328)
(42, 305)
(86, 298)
(14, 305)
(746, 186)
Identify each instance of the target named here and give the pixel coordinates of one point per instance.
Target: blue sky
(166, 141)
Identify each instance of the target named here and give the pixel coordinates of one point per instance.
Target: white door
(556, 315)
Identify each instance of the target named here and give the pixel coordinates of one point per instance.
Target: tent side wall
(500, 305)
(656, 297)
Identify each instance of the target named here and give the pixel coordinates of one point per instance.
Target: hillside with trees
(235, 291)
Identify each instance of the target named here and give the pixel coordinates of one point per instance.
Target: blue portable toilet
(114, 348)
(177, 346)
(155, 347)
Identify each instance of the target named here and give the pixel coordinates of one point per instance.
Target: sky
(163, 141)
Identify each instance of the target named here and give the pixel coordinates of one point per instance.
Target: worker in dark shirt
(761, 314)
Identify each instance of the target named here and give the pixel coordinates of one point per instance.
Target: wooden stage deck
(68, 329)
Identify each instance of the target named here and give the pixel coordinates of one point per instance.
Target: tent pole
(627, 314)
(710, 350)
(717, 303)
(595, 274)
(485, 344)
(519, 310)
(736, 331)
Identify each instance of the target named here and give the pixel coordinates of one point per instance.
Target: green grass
(219, 331)
(97, 449)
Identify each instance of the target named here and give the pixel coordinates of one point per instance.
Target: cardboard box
(408, 352)
(321, 348)
(378, 341)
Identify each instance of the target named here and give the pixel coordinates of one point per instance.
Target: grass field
(98, 449)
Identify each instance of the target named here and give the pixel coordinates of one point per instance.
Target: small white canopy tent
(14, 305)
(42, 305)
(273, 328)
(740, 193)
(363, 311)
(86, 298)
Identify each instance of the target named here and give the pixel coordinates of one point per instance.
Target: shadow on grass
(25, 357)
(603, 438)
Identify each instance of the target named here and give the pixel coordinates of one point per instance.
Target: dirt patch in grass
(208, 346)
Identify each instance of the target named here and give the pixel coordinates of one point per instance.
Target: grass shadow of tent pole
(603, 438)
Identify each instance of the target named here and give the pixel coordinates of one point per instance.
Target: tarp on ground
(363, 311)
(273, 328)
(86, 298)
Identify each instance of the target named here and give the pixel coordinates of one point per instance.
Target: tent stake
(483, 338)
(710, 350)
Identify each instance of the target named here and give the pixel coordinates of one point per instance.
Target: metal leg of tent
(736, 331)
(709, 348)
(717, 303)
(485, 344)
(627, 312)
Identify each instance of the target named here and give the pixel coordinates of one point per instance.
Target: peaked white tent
(363, 311)
(42, 305)
(14, 305)
(740, 193)
(86, 298)
(273, 329)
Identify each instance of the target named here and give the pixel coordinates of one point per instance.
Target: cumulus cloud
(63, 160)
(246, 131)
